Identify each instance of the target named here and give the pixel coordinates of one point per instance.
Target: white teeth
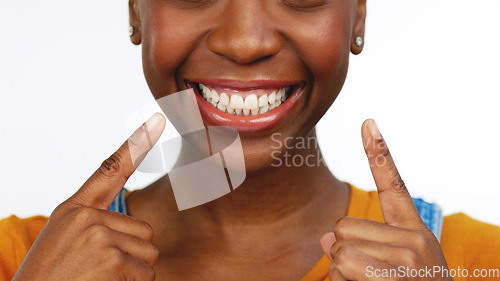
(251, 102)
(263, 101)
(224, 99)
(278, 96)
(206, 92)
(215, 97)
(235, 104)
(207, 95)
(272, 98)
(221, 107)
(264, 109)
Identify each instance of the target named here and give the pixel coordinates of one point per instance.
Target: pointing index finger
(397, 204)
(105, 184)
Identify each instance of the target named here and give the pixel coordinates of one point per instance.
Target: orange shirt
(466, 243)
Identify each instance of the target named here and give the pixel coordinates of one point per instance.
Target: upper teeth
(235, 104)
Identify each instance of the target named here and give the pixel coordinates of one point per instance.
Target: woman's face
(253, 51)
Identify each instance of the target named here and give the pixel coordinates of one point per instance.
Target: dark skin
(251, 40)
(271, 226)
(253, 234)
(241, 40)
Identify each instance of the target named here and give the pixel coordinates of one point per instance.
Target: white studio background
(70, 79)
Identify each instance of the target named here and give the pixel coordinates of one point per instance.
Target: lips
(253, 101)
(248, 107)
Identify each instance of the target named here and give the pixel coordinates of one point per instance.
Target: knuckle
(333, 271)
(110, 167)
(341, 256)
(420, 241)
(155, 254)
(136, 140)
(397, 187)
(384, 150)
(341, 226)
(148, 231)
(380, 149)
(115, 258)
(59, 210)
(84, 215)
(378, 143)
(97, 233)
(412, 258)
(398, 183)
(336, 247)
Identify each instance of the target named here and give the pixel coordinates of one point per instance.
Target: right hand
(82, 240)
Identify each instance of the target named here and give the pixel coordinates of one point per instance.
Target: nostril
(262, 59)
(246, 51)
(245, 45)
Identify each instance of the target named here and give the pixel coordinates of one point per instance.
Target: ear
(135, 22)
(359, 27)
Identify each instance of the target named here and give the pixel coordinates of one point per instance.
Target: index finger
(397, 205)
(105, 184)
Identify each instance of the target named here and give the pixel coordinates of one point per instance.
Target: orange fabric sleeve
(471, 245)
(16, 237)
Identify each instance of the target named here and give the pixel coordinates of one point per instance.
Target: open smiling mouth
(244, 103)
(248, 108)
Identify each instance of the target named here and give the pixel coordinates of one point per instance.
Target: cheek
(330, 66)
(322, 42)
(327, 53)
(324, 47)
(167, 41)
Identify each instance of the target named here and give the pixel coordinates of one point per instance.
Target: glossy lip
(251, 123)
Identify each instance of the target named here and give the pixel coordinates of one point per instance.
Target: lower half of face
(269, 69)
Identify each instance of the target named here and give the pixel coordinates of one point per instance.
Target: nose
(244, 33)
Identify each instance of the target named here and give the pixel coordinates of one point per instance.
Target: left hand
(362, 249)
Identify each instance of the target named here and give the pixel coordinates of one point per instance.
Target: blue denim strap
(432, 216)
(119, 204)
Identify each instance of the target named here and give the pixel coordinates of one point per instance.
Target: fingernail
(153, 122)
(331, 237)
(327, 241)
(144, 138)
(374, 131)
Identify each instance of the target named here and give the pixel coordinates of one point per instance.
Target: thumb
(395, 200)
(105, 184)
(326, 242)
